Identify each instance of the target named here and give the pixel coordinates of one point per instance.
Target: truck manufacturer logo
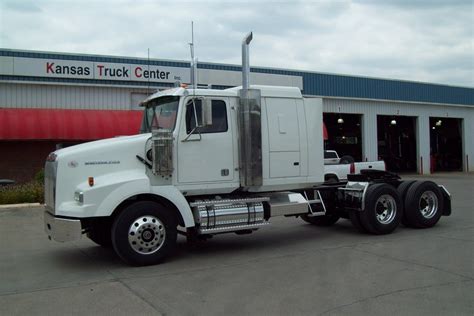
(72, 164)
(102, 162)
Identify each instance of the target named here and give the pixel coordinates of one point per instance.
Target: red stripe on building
(58, 124)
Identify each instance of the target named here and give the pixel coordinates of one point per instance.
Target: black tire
(402, 192)
(383, 209)
(101, 235)
(417, 197)
(345, 160)
(144, 233)
(325, 220)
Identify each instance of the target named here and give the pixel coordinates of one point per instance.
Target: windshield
(160, 113)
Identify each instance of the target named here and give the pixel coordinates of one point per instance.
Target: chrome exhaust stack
(250, 126)
(245, 61)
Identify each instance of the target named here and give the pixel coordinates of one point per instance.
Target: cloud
(412, 40)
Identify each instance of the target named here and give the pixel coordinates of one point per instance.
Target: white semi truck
(218, 161)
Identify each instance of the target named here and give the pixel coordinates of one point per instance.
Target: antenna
(193, 70)
(193, 76)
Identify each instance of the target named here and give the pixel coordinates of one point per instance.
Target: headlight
(79, 197)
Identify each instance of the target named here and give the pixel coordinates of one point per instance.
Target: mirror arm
(186, 139)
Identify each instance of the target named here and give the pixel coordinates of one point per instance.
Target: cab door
(205, 154)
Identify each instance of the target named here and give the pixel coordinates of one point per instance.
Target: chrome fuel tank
(228, 215)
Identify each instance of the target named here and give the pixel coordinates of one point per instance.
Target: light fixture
(439, 122)
(340, 120)
(433, 127)
(393, 122)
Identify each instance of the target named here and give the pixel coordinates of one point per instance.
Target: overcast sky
(430, 41)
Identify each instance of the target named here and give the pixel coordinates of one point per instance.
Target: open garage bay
(397, 142)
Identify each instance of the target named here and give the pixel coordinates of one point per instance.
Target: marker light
(340, 120)
(393, 122)
(91, 181)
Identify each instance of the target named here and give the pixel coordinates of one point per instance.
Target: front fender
(142, 185)
(111, 190)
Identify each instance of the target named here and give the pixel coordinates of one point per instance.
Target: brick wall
(21, 160)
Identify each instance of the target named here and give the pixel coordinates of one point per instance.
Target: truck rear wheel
(144, 233)
(402, 192)
(423, 204)
(383, 209)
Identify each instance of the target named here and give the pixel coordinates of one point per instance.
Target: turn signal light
(91, 181)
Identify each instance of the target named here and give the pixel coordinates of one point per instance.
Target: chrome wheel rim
(146, 235)
(428, 205)
(385, 209)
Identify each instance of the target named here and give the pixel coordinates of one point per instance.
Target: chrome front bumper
(62, 229)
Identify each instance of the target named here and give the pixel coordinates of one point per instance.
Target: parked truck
(338, 172)
(209, 162)
(331, 157)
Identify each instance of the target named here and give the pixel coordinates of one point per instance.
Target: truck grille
(50, 170)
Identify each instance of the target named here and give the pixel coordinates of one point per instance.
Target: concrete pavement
(288, 268)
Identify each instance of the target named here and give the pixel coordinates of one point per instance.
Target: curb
(22, 205)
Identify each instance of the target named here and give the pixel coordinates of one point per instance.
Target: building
(49, 100)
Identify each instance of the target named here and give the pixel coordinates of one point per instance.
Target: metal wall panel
(315, 84)
(19, 95)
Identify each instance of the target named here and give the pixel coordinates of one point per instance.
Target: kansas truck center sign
(91, 70)
(102, 71)
(37, 67)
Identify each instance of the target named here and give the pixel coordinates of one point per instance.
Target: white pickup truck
(336, 169)
(331, 157)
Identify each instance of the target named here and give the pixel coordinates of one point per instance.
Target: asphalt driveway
(288, 268)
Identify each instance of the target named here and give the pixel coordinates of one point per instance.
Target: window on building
(219, 117)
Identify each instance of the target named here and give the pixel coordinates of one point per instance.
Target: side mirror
(206, 112)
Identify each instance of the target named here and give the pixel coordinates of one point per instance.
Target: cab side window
(219, 117)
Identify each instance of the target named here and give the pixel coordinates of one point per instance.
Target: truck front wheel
(144, 233)
(100, 234)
